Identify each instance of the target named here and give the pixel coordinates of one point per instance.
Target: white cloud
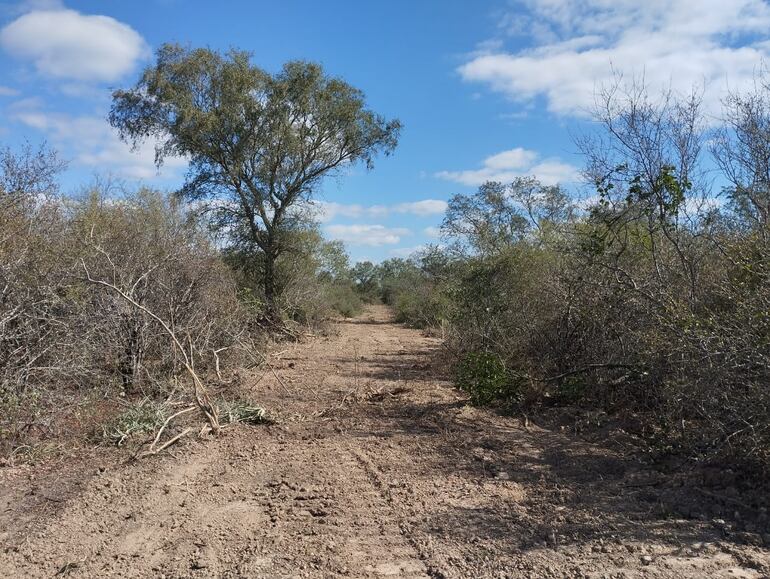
(580, 44)
(7, 91)
(406, 251)
(91, 142)
(508, 165)
(434, 232)
(589, 201)
(373, 235)
(512, 159)
(66, 44)
(422, 208)
(328, 211)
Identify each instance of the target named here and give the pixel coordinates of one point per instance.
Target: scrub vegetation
(647, 301)
(574, 383)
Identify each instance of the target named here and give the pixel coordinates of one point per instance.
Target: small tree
(365, 278)
(258, 144)
(741, 147)
(499, 215)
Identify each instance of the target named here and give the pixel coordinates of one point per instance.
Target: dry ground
(376, 467)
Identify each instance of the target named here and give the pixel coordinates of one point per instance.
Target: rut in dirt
(376, 467)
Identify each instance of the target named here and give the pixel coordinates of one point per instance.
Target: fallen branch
(587, 368)
(168, 443)
(166, 423)
(216, 362)
(201, 394)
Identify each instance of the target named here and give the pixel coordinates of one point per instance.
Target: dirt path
(376, 468)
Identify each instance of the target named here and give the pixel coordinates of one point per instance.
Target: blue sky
(486, 90)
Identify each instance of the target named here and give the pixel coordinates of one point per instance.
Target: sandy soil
(376, 467)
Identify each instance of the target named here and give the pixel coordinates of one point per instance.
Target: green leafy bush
(139, 418)
(418, 308)
(343, 299)
(484, 377)
(571, 390)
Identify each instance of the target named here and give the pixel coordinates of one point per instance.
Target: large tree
(258, 144)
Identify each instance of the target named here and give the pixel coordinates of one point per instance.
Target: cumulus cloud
(328, 211)
(508, 165)
(407, 251)
(93, 143)
(422, 208)
(372, 235)
(66, 44)
(577, 45)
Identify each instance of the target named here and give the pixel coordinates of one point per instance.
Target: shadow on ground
(531, 488)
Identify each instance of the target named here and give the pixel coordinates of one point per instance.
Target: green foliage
(343, 299)
(366, 277)
(397, 275)
(498, 216)
(659, 195)
(667, 191)
(259, 144)
(138, 418)
(484, 377)
(485, 222)
(419, 308)
(416, 289)
(412, 286)
(233, 411)
(616, 310)
(314, 279)
(571, 390)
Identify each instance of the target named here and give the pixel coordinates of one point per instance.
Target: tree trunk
(271, 306)
(130, 363)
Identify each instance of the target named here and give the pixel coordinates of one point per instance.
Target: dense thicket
(650, 300)
(87, 283)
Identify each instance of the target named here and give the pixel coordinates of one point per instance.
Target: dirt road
(376, 467)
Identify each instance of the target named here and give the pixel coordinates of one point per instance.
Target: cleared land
(376, 467)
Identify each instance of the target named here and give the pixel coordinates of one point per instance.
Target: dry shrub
(151, 247)
(654, 302)
(65, 343)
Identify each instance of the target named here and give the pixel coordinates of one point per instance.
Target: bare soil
(376, 467)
